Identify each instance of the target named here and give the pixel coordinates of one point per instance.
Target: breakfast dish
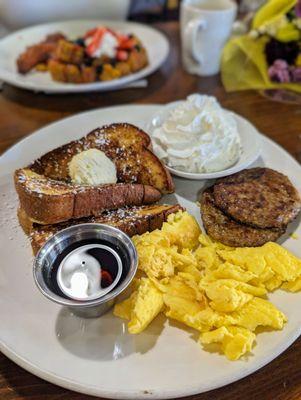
(101, 54)
(217, 290)
(71, 77)
(211, 300)
(250, 208)
(109, 177)
(198, 139)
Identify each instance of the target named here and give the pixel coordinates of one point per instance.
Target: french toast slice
(125, 144)
(46, 201)
(48, 196)
(131, 220)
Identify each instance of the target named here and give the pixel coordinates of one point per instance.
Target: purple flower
(279, 72)
(296, 74)
(298, 9)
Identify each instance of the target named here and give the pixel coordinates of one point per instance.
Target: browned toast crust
(131, 220)
(46, 201)
(125, 144)
(48, 196)
(25, 222)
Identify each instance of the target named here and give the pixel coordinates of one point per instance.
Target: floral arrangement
(269, 55)
(283, 49)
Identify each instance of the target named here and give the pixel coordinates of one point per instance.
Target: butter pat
(92, 167)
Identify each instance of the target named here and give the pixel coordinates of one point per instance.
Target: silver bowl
(77, 236)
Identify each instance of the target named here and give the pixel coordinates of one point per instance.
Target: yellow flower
(271, 20)
(288, 33)
(271, 11)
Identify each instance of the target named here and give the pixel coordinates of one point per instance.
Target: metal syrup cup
(84, 233)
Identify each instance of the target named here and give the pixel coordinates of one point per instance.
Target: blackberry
(113, 62)
(80, 42)
(88, 61)
(276, 50)
(99, 69)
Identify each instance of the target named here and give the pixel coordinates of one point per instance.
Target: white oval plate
(11, 46)
(98, 356)
(250, 145)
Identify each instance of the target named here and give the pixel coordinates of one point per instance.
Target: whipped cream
(107, 46)
(198, 136)
(92, 167)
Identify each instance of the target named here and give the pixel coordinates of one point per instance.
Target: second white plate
(11, 46)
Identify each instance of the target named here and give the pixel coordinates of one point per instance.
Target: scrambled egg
(218, 290)
(141, 307)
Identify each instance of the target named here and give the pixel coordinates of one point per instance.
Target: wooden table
(22, 112)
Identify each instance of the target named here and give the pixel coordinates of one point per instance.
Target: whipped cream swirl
(198, 136)
(107, 45)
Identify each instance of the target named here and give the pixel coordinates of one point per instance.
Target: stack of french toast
(52, 199)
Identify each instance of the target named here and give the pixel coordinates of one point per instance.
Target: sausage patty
(227, 231)
(260, 197)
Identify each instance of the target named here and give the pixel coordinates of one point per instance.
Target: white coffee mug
(205, 27)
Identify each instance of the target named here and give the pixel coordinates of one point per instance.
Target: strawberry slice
(122, 55)
(122, 38)
(118, 36)
(106, 277)
(96, 40)
(90, 32)
(127, 44)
